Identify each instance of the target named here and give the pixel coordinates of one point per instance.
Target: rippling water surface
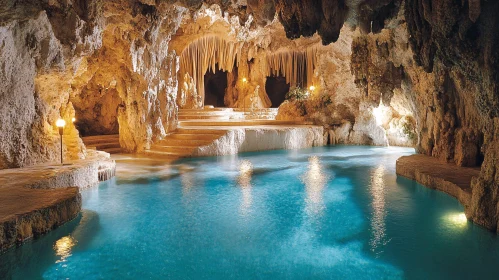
(322, 213)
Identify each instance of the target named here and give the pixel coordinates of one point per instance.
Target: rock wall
(105, 63)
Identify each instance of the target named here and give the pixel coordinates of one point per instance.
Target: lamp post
(60, 123)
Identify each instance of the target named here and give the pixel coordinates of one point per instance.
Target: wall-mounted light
(245, 80)
(312, 88)
(60, 123)
(73, 119)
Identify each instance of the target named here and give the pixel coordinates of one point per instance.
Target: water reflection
(244, 180)
(63, 247)
(186, 178)
(378, 224)
(315, 181)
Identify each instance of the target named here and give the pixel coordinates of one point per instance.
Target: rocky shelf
(433, 173)
(37, 199)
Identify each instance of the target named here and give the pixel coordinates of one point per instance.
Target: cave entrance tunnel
(276, 88)
(215, 87)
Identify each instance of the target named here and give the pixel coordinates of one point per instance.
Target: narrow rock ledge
(434, 174)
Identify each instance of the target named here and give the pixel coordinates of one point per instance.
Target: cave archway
(215, 85)
(276, 88)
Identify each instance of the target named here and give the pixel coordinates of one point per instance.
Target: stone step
(215, 131)
(93, 137)
(173, 149)
(107, 143)
(93, 140)
(218, 109)
(162, 155)
(184, 142)
(269, 110)
(113, 150)
(200, 123)
(206, 112)
(196, 136)
(104, 146)
(210, 117)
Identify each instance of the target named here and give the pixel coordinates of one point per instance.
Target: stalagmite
(205, 54)
(297, 67)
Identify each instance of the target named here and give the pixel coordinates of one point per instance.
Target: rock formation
(412, 72)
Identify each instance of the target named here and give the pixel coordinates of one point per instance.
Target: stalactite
(205, 54)
(297, 67)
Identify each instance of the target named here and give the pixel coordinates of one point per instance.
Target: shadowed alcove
(276, 88)
(215, 85)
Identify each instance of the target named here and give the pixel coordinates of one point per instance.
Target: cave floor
(435, 174)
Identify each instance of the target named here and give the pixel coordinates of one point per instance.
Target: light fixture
(245, 80)
(73, 119)
(60, 123)
(312, 88)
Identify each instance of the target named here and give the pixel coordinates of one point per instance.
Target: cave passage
(215, 85)
(276, 88)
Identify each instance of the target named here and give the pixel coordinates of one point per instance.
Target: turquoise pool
(322, 213)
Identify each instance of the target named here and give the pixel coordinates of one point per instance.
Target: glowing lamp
(245, 80)
(60, 123)
(312, 88)
(73, 119)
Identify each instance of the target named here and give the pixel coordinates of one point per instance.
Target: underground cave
(246, 139)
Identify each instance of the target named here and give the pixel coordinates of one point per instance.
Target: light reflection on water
(244, 180)
(377, 190)
(315, 181)
(187, 178)
(63, 248)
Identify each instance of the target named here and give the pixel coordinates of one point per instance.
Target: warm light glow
(312, 88)
(73, 119)
(245, 172)
(380, 113)
(245, 80)
(63, 247)
(457, 219)
(60, 123)
(315, 182)
(378, 205)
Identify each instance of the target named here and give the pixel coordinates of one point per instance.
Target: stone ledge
(37, 199)
(40, 211)
(434, 174)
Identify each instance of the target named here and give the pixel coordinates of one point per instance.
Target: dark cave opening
(480, 157)
(215, 85)
(276, 88)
